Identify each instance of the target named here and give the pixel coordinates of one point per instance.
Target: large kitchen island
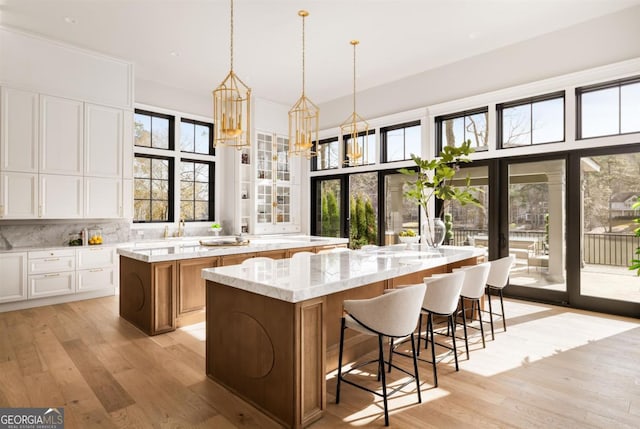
(273, 326)
(161, 287)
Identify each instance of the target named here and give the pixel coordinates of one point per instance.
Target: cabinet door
(18, 130)
(18, 195)
(103, 141)
(95, 279)
(60, 196)
(52, 284)
(127, 146)
(127, 199)
(13, 286)
(103, 198)
(95, 257)
(61, 136)
(191, 285)
(264, 156)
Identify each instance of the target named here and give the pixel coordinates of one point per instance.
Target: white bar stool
(498, 279)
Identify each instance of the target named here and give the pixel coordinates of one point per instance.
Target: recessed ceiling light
(174, 54)
(70, 20)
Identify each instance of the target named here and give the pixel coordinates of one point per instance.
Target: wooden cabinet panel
(235, 259)
(191, 285)
(164, 296)
(273, 254)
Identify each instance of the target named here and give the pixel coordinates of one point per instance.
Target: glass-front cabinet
(275, 189)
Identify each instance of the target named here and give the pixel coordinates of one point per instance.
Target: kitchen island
(161, 287)
(273, 326)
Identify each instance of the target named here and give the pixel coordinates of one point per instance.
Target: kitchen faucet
(180, 232)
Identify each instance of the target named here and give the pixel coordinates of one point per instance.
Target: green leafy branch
(635, 263)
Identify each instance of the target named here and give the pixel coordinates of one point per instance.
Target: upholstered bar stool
(475, 281)
(441, 299)
(393, 315)
(498, 279)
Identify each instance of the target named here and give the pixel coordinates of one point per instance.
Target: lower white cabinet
(52, 284)
(95, 278)
(13, 269)
(96, 268)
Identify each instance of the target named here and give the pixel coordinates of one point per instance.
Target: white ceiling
(398, 38)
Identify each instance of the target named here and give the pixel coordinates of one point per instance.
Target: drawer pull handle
(51, 259)
(52, 275)
(96, 270)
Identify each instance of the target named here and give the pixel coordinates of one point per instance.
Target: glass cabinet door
(282, 159)
(264, 204)
(264, 156)
(283, 204)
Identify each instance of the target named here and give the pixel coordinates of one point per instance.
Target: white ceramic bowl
(408, 239)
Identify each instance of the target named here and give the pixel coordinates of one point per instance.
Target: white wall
(606, 40)
(167, 97)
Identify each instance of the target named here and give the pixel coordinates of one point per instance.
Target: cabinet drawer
(53, 264)
(95, 257)
(40, 254)
(52, 284)
(96, 278)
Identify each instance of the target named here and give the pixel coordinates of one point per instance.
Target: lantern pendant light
(231, 108)
(355, 126)
(304, 116)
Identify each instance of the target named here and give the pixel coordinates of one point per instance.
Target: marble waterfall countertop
(305, 277)
(190, 247)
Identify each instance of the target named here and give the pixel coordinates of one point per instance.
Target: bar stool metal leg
(342, 327)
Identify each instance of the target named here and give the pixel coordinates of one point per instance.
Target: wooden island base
(276, 354)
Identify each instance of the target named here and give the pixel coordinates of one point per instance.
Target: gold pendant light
(231, 108)
(304, 116)
(355, 126)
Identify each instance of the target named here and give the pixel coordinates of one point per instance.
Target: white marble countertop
(189, 247)
(305, 277)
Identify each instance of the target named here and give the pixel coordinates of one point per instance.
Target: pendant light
(355, 126)
(231, 108)
(304, 116)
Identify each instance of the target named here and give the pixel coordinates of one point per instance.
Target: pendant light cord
(354, 80)
(303, 65)
(231, 31)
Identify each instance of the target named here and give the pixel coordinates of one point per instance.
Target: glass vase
(433, 231)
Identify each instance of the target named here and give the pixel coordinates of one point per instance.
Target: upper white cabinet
(102, 197)
(103, 141)
(18, 130)
(60, 197)
(18, 195)
(61, 136)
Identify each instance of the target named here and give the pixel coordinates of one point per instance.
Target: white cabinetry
(60, 196)
(103, 141)
(275, 188)
(61, 136)
(51, 272)
(96, 268)
(13, 286)
(18, 130)
(103, 197)
(18, 195)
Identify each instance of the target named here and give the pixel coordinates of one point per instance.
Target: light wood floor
(554, 367)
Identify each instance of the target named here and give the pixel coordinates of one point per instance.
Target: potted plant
(433, 180)
(216, 228)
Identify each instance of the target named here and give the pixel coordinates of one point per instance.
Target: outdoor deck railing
(602, 249)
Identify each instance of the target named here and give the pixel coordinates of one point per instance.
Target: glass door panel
(363, 209)
(537, 228)
(469, 223)
(400, 213)
(609, 187)
(328, 219)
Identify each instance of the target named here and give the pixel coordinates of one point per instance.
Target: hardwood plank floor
(553, 368)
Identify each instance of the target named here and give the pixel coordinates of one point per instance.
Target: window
(196, 137)
(456, 128)
(153, 189)
(531, 121)
(400, 141)
(196, 182)
(153, 130)
(327, 154)
(366, 145)
(159, 166)
(609, 109)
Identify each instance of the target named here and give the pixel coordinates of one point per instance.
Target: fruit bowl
(408, 239)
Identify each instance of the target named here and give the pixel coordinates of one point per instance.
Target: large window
(456, 128)
(531, 121)
(159, 166)
(365, 146)
(400, 141)
(327, 155)
(196, 184)
(196, 137)
(609, 109)
(153, 130)
(153, 189)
